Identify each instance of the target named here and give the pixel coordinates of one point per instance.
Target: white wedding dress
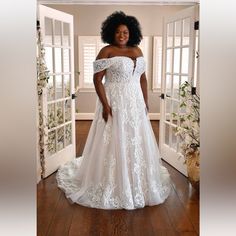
(120, 166)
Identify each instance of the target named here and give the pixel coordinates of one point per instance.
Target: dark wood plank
(159, 218)
(83, 218)
(61, 221)
(82, 129)
(48, 196)
(178, 215)
(187, 195)
(155, 127)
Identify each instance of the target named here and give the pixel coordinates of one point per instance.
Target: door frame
(69, 152)
(168, 154)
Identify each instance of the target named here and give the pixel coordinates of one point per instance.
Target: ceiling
(120, 2)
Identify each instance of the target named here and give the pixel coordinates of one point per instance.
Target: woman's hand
(106, 112)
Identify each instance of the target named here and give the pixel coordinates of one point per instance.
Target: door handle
(162, 96)
(73, 96)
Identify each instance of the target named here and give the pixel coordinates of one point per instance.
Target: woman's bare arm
(97, 80)
(143, 83)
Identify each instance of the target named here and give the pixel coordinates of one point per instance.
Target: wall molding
(90, 116)
(120, 2)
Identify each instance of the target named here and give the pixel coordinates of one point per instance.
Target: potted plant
(189, 131)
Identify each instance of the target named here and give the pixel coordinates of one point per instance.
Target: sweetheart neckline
(121, 56)
(134, 61)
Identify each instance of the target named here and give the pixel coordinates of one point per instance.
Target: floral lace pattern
(120, 166)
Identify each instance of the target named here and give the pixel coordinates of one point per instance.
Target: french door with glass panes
(58, 105)
(178, 65)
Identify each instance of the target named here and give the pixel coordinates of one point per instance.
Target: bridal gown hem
(120, 167)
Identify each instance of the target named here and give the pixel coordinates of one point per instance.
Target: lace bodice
(120, 68)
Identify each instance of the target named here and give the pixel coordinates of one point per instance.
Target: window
(89, 47)
(144, 46)
(157, 63)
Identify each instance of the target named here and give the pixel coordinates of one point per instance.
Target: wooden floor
(178, 215)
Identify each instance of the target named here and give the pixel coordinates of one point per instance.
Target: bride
(120, 166)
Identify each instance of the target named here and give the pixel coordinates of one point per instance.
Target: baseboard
(90, 116)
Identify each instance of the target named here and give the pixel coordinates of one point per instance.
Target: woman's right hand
(106, 112)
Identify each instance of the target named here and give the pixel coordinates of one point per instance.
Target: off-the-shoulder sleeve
(143, 66)
(101, 64)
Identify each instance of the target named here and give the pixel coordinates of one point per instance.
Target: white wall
(87, 21)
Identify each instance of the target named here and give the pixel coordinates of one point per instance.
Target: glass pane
(51, 116)
(183, 79)
(60, 117)
(67, 85)
(168, 85)
(173, 138)
(59, 90)
(48, 59)
(170, 29)
(167, 134)
(48, 31)
(177, 33)
(57, 36)
(68, 135)
(169, 54)
(57, 60)
(186, 31)
(51, 144)
(66, 60)
(168, 107)
(174, 111)
(176, 86)
(175, 108)
(50, 89)
(176, 60)
(68, 110)
(66, 34)
(60, 138)
(182, 108)
(185, 60)
(196, 66)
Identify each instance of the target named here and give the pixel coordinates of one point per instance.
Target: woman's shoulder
(104, 52)
(137, 50)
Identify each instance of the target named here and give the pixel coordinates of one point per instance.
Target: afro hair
(117, 18)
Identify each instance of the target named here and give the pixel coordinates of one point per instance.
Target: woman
(120, 166)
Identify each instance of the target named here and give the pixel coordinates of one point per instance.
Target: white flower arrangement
(42, 80)
(189, 129)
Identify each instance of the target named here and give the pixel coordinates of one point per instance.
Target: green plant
(189, 121)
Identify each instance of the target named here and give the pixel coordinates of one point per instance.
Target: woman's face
(121, 35)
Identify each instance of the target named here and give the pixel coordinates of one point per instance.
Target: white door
(58, 102)
(178, 65)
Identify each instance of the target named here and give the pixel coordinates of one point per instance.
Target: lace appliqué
(124, 157)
